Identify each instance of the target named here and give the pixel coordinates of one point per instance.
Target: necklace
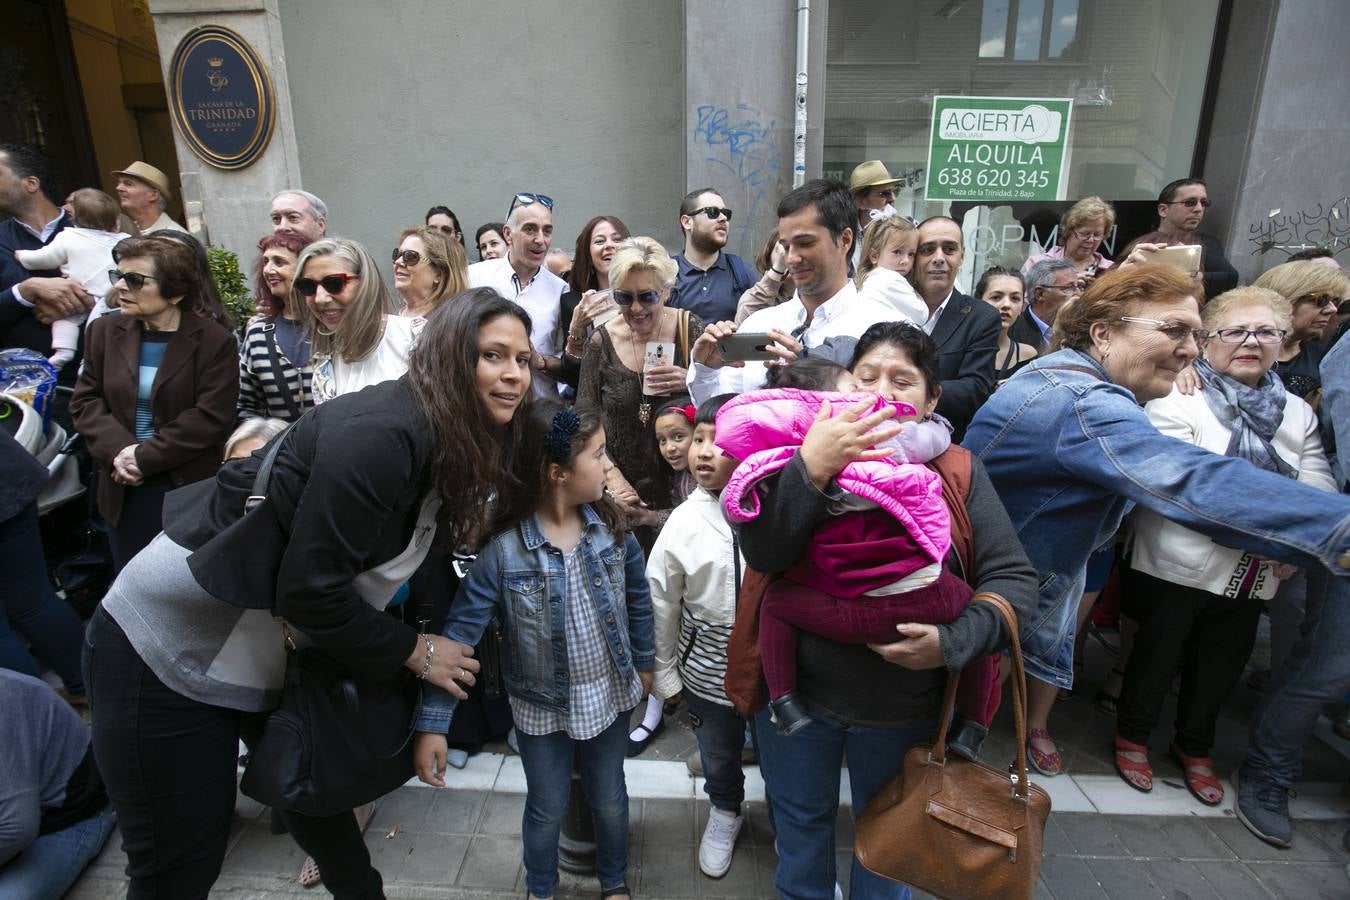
(645, 405)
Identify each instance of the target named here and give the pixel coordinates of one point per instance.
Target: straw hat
(150, 175)
(870, 174)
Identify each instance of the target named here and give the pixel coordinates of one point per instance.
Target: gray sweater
(829, 673)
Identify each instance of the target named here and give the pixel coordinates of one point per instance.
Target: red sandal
(1125, 767)
(1198, 781)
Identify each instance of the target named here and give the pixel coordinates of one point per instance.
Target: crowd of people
(556, 487)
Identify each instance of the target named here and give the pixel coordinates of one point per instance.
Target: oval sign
(221, 97)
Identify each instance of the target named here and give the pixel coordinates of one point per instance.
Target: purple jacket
(763, 429)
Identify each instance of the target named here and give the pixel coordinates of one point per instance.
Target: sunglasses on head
(525, 198)
(134, 280)
(646, 298)
(410, 257)
(713, 212)
(332, 284)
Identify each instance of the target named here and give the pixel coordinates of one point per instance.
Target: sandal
(1198, 781)
(1048, 764)
(1126, 767)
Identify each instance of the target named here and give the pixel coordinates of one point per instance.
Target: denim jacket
(1070, 453)
(517, 580)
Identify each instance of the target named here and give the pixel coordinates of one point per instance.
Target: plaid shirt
(597, 692)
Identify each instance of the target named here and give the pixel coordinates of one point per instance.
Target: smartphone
(609, 310)
(656, 354)
(1185, 257)
(746, 347)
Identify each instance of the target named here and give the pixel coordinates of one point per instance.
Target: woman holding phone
(616, 380)
(587, 301)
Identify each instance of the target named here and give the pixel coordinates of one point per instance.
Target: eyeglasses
(1073, 287)
(646, 298)
(1190, 202)
(525, 198)
(332, 284)
(1177, 331)
(1239, 335)
(713, 212)
(1089, 235)
(410, 258)
(1319, 299)
(134, 280)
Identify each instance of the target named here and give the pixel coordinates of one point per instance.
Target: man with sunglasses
(710, 281)
(1181, 209)
(522, 276)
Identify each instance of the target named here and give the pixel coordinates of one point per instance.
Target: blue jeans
(801, 775)
(47, 868)
(547, 760)
(30, 606)
(1316, 672)
(720, 732)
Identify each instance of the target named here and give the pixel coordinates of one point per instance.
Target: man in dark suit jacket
(1047, 286)
(965, 330)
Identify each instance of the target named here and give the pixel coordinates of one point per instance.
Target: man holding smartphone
(1181, 209)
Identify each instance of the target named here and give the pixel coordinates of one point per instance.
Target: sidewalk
(1103, 839)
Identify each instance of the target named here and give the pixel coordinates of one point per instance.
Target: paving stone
(1124, 879)
(843, 829)
(757, 826)
(766, 865)
(502, 814)
(739, 880)
(1330, 834)
(843, 869)
(1070, 879)
(1091, 835)
(1194, 839)
(1233, 881)
(261, 852)
(668, 822)
(1179, 880)
(1250, 848)
(455, 812)
(406, 807)
(1140, 835)
(1056, 842)
(388, 854)
(667, 871)
(491, 861)
(435, 859)
(1303, 881)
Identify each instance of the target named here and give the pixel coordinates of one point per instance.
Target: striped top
(260, 392)
(152, 354)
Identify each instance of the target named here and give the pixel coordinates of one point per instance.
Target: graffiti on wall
(1321, 226)
(737, 139)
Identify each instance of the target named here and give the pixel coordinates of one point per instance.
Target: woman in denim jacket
(567, 583)
(1071, 451)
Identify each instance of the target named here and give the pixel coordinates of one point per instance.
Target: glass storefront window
(1136, 73)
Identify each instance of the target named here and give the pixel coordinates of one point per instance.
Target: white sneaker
(719, 839)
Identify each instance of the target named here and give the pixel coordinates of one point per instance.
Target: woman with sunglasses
(274, 364)
(1070, 451)
(356, 339)
(1314, 291)
(617, 380)
(1082, 229)
(428, 267)
(1197, 602)
(156, 400)
(588, 289)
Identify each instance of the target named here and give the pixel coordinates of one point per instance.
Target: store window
(1136, 73)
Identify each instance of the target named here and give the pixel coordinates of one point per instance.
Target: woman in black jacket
(359, 488)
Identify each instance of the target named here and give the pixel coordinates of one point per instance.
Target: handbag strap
(1018, 680)
(278, 373)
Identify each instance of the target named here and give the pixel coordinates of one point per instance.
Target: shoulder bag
(336, 741)
(955, 828)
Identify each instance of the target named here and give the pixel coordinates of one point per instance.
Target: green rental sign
(991, 149)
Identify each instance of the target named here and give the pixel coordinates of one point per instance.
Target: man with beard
(965, 330)
(710, 281)
(1181, 208)
(30, 301)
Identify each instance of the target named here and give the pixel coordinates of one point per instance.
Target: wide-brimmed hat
(869, 175)
(143, 171)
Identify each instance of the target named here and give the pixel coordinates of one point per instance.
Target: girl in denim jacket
(566, 582)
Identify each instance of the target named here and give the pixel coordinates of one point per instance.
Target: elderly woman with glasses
(428, 267)
(1198, 602)
(633, 362)
(1081, 232)
(1070, 451)
(156, 399)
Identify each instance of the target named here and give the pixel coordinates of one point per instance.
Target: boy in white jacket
(694, 573)
(83, 253)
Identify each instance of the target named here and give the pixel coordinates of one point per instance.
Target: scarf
(1252, 413)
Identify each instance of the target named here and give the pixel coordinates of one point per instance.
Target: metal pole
(799, 118)
(576, 843)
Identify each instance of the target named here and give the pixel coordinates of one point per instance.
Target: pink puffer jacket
(763, 429)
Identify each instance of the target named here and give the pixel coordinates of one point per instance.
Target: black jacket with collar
(966, 335)
(1024, 330)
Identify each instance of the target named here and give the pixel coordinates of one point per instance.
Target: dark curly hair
(922, 352)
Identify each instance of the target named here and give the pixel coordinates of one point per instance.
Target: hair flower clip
(558, 440)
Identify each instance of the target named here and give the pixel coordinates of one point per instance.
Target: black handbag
(336, 741)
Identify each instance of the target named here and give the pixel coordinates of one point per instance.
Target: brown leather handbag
(955, 828)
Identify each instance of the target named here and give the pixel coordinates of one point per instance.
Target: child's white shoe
(719, 840)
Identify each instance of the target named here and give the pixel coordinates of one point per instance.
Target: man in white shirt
(816, 225)
(521, 276)
(143, 192)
